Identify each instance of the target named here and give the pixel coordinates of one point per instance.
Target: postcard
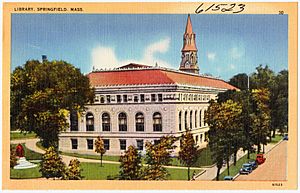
(149, 96)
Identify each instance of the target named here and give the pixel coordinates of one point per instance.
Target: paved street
(273, 169)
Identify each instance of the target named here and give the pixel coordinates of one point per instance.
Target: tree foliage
(157, 156)
(73, 171)
(240, 81)
(188, 153)
(13, 157)
(261, 116)
(224, 121)
(130, 167)
(99, 147)
(42, 93)
(52, 165)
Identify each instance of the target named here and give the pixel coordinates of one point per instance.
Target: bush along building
(136, 103)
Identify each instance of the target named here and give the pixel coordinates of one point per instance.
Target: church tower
(189, 59)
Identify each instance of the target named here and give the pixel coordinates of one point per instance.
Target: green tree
(130, 167)
(240, 81)
(99, 147)
(188, 152)
(52, 165)
(279, 102)
(157, 156)
(41, 95)
(215, 135)
(225, 122)
(261, 116)
(262, 78)
(13, 157)
(73, 172)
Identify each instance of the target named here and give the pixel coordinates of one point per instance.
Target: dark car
(246, 169)
(228, 178)
(253, 164)
(286, 137)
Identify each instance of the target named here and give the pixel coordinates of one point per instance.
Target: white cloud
(237, 52)
(211, 56)
(231, 66)
(105, 57)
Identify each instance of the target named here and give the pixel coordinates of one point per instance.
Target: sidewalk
(211, 173)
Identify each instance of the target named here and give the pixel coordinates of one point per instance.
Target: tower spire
(189, 59)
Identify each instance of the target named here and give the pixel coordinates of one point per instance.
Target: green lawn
(276, 139)
(30, 155)
(96, 157)
(25, 173)
(233, 170)
(180, 174)
(19, 135)
(93, 171)
(204, 159)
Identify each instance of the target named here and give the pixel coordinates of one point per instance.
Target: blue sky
(227, 44)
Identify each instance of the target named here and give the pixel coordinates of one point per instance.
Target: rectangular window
(153, 97)
(122, 144)
(196, 138)
(125, 98)
(118, 98)
(160, 97)
(106, 143)
(201, 138)
(108, 98)
(74, 143)
(90, 144)
(140, 144)
(136, 99)
(96, 99)
(142, 98)
(74, 121)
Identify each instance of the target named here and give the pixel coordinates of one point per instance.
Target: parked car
(286, 137)
(253, 164)
(228, 178)
(260, 159)
(246, 169)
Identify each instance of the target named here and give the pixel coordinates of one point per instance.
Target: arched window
(89, 122)
(74, 121)
(204, 124)
(196, 119)
(157, 122)
(122, 122)
(185, 120)
(179, 121)
(105, 122)
(200, 118)
(139, 122)
(191, 119)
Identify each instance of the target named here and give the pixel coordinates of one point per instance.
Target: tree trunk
(218, 173)
(101, 160)
(274, 130)
(263, 148)
(258, 148)
(234, 158)
(248, 154)
(188, 173)
(227, 166)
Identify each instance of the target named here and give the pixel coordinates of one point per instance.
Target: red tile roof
(153, 76)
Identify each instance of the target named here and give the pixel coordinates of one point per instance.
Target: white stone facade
(170, 102)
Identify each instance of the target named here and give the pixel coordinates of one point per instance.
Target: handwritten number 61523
(223, 7)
